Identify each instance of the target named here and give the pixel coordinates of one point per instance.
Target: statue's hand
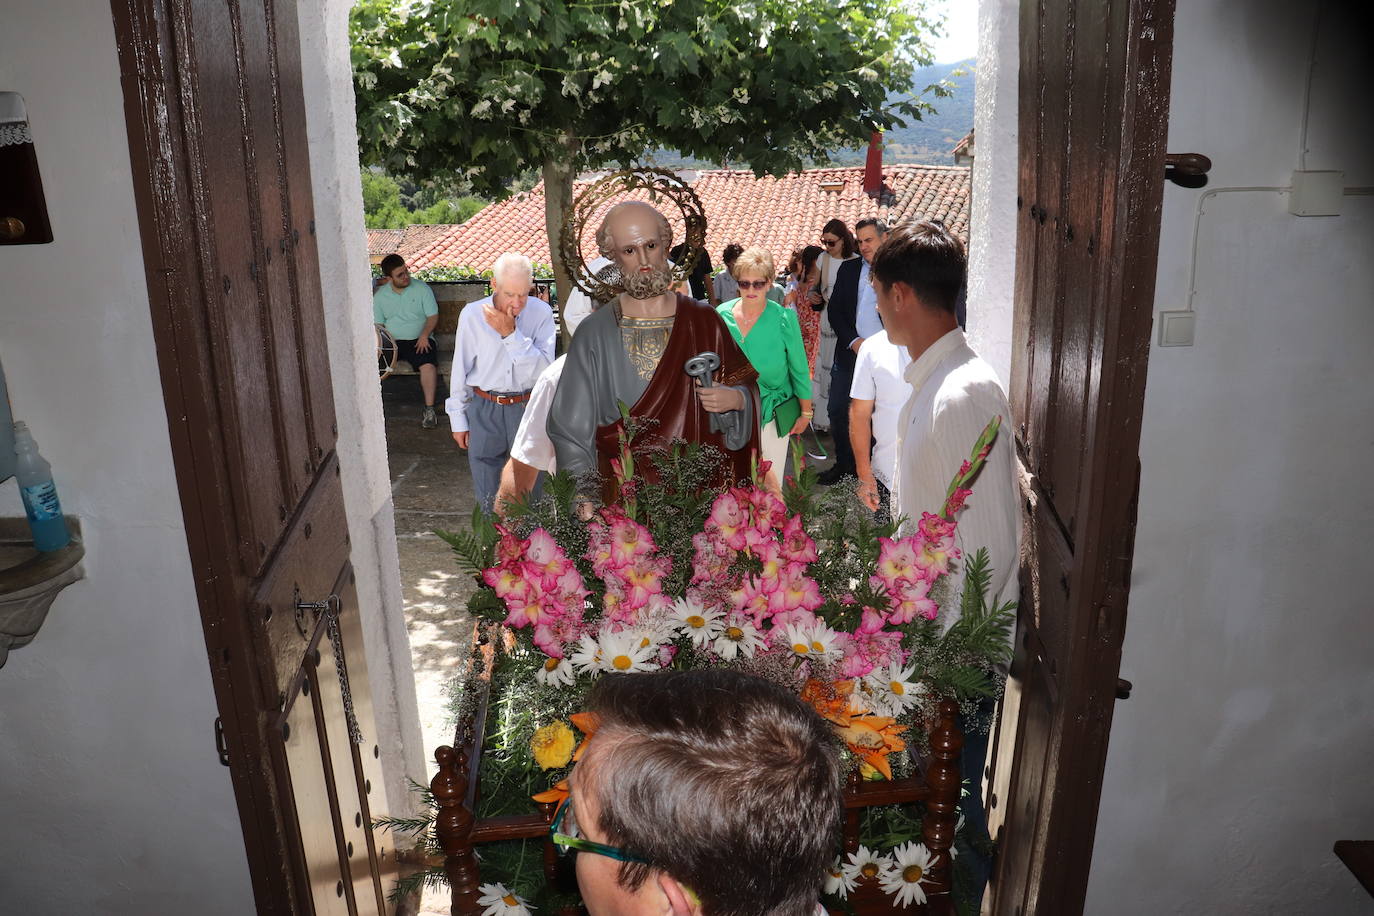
(720, 400)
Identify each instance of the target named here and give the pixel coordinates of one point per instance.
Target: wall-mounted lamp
(23, 212)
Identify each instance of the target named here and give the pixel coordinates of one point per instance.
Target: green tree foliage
(485, 90)
(392, 204)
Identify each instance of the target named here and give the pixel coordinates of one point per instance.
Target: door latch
(221, 745)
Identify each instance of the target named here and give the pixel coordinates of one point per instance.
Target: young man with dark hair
(724, 287)
(406, 308)
(917, 274)
(706, 791)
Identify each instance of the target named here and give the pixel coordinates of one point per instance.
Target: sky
(961, 27)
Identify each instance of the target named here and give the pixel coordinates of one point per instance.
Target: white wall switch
(1316, 193)
(1176, 328)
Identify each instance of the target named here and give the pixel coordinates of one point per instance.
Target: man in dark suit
(842, 309)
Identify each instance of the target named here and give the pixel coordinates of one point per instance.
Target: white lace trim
(15, 133)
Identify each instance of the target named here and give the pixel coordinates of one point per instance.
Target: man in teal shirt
(406, 308)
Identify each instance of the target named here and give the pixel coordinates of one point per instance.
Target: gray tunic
(598, 376)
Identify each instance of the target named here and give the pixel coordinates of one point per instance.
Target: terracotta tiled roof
(777, 213)
(406, 242)
(382, 242)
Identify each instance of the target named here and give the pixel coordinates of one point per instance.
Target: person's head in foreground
(703, 792)
(917, 273)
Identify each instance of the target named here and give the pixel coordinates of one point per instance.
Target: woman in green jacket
(771, 337)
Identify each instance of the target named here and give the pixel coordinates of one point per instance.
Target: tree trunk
(558, 199)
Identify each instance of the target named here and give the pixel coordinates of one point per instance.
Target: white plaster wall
(346, 276)
(1244, 751)
(111, 795)
(992, 241)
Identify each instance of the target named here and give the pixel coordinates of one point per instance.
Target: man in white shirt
(869, 233)
(917, 274)
(877, 396)
(504, 342)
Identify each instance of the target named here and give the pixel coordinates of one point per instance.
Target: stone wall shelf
(29, 581)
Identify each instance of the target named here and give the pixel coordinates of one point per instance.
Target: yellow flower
(552, 745)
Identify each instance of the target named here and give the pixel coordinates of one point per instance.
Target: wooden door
(1094, 90)
(217, 136)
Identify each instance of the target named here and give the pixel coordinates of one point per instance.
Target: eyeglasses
(754, 284)
(570, 840)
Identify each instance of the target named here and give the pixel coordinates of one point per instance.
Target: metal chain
(336, 640)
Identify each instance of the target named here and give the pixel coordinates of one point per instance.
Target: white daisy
(815, 641)
(740, 637)
(587, 657)
(891, 688)
(866, 864)
(838, 881)
(700, 623)
(497, 901)
(627, 651)
(910, 864)
(555, 672)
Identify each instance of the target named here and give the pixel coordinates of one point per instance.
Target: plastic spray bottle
(40, 495)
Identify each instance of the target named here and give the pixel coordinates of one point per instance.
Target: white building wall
(111, 796)
(346, 274)
(992, 239)
(1244, 752)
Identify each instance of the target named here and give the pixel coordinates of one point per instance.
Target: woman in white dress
(839, 246)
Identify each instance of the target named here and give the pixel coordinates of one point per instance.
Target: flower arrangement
(806, 590)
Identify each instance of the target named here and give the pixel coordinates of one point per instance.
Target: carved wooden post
(453, 830)
(942, 808)
(547, 809)
(851, 815)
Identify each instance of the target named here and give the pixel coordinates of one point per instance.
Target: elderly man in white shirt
(917, 274)
(504, 342)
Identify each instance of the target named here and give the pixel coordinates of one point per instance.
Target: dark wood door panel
(1019, 842)
(314, 814)
(370, 856)
(306, 569)
(277, 298)
(213, 91)
(1096, 78)
(239, 359)
(299, 233)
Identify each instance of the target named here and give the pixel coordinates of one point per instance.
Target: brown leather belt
(505, 400)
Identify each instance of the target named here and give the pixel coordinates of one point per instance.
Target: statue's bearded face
(639, 250)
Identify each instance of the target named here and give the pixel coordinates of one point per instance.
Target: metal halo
(658, 182)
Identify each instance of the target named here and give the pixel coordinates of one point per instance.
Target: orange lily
(830, 700)
(872, 738)
(586, 723)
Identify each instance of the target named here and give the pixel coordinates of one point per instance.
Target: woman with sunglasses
(771, 337)
(839, 246)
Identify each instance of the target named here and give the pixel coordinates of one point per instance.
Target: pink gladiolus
(797, 545)
(956, 501)
(934, 528)
(728, 519)
(896, 560)
(872, 621)
(865, 651)
(629, 539)
(800, 591)
(798, 616)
